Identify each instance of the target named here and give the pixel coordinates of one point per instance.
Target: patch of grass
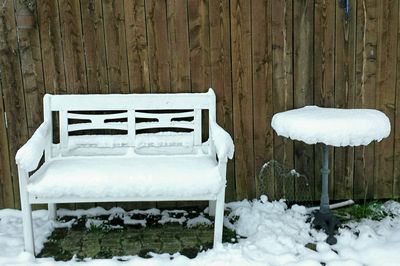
(100, 228)
(371, 210)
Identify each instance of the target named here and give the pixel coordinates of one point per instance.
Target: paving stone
(152, 245)
(132, 248)
(168, 238)
(206, 237)
(172, 246)
(90, 249)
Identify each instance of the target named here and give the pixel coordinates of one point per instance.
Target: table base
(327, 222)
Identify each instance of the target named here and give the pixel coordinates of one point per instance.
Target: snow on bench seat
(119, 177)
(332, 126)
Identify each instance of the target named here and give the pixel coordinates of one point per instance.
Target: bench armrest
(29, 155)
(223, 142)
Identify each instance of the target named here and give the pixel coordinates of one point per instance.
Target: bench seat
(121, 177)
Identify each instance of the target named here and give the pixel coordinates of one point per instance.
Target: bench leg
(211, 207)
(219, 218)
(28, 226)
(52, 209)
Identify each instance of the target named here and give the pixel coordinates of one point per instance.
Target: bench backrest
(130, 120)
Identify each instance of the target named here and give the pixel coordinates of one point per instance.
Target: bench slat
(97, 116)
(173, 124)
(86, 126)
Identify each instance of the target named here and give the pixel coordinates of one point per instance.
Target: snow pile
(332, 126)
(222, 141)
(117, 177)
(273, 235)
(29, 155)
(199, 220)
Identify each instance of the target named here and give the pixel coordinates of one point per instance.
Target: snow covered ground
(276, 235)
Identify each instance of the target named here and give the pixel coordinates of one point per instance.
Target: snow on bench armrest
(29, 155)
(223, 142)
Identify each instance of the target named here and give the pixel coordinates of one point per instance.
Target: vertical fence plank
(178, 32)
(365, 92)
(221, 69)
(199, 40)
(94, 46)
(32, 72)
(324, 76)
(158, 49)
(136, 39)
(242, 97)
(114, 33)
(396, 127)
(71, 30)
(303, 79)
(6, 186)
(13, 90)
(50, 39)
(262, 83)
(282, 83)
(385, 89)
(344, 96)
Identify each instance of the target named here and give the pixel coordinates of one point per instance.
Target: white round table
(331, 127)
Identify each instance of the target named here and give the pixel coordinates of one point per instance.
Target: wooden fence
(260, 56)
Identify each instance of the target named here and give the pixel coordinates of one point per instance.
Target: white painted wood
(39, 200)
(211, 207)
(219, 208)
(173, 124)
(52, 209)
(26, 212)
(63, 129)
(131, 127)
(197, 127)
(98, 125)
(128, 104)
(47, 116)
(101, 117)
(96, 102)
(164, 116)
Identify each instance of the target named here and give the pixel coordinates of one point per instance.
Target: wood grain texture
(6, 188)
(199, 40)
(242, 97)
(385, 89)
(262, 83)
(324, 77)
(136, 39)
(178, 37)
(50, 39)
(158, 48)
(221, 76)
(32, 73)
(13, 91)
(94, 46)
(114, 33)
(282, 83)
(396, 128)
(344, 97)
(74, 61)
(303, 80)
(366, 66)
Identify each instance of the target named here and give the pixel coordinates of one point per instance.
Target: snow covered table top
(332, 126)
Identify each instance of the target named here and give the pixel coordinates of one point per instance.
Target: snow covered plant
(284, 177)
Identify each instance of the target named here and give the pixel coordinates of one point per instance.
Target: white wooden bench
(132, 147)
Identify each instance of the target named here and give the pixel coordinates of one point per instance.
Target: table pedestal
(323, 218)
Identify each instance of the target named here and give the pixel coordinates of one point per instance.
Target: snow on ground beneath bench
(276, 235)
(332, 126)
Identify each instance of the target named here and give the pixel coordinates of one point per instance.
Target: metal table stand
(323, 218)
